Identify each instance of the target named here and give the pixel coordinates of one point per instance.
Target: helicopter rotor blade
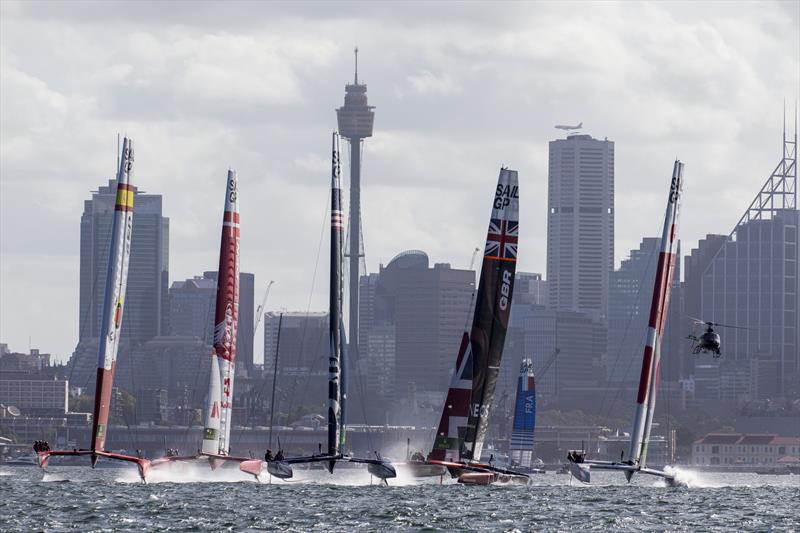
(729, 326)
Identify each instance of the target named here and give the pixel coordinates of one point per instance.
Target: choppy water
(80, 499)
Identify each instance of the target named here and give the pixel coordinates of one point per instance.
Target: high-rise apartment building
(146, 301)
(580, 223)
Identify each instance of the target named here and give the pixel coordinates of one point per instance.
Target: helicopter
(709, 341)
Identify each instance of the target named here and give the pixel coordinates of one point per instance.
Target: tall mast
(492, 308)
(226, 317)
(116, 282)
(651, 362)
(335, 308)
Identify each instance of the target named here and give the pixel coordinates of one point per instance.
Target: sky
(460, 90)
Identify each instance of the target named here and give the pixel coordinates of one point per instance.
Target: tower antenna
(355, 52)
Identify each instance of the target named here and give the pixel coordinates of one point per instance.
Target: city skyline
(713, 101)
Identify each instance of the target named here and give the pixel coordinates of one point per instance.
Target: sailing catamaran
(337, 362)
(217, 433)
(465, 415)
(651, 361)
(111, 326)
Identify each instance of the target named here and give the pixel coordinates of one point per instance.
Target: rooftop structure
(752, 280)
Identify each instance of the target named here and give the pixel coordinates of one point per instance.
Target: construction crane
(474, 256)
(547, 364)
(260, 310)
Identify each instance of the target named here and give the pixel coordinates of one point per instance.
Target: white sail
(211, 432)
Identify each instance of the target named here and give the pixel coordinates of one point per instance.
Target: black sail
(334, 366)
(492, 308)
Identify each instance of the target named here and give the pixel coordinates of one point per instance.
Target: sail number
(505, 290)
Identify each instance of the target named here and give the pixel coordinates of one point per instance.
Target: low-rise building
(741, 449)
(36, 397)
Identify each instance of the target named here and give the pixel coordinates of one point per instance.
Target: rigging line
(87, 312)
(642, 340)
(291, 395)
(274, 381)
(364, 410)
(198, 368)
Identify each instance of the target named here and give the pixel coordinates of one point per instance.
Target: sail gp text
(504, 194)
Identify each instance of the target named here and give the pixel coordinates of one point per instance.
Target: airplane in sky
(563, 127)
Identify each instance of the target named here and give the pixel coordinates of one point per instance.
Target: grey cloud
(460, 89)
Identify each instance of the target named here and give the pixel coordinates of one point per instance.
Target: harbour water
(111, 499)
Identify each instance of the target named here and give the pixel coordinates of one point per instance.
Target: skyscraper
(355, 120)
(147, 296)
(629, 299)
(425, 309)
(580, 223)
(752, 282)
(191, 308)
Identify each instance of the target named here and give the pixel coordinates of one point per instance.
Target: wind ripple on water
(103, 500)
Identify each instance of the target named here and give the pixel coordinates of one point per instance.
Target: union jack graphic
(501, 241)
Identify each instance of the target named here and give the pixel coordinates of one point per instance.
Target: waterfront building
(36, 397)
(742, 449)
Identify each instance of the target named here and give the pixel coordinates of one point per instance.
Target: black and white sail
(492, 309)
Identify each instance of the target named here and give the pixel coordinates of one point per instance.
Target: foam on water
(191, 472)
(344, 502)
(687, 478)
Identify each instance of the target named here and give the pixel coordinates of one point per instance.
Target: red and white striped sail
(116, 283)
(226, 317)
(651, 363)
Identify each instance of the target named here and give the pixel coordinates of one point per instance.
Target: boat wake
(685, 478)
(180, 472)
(54, 478)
